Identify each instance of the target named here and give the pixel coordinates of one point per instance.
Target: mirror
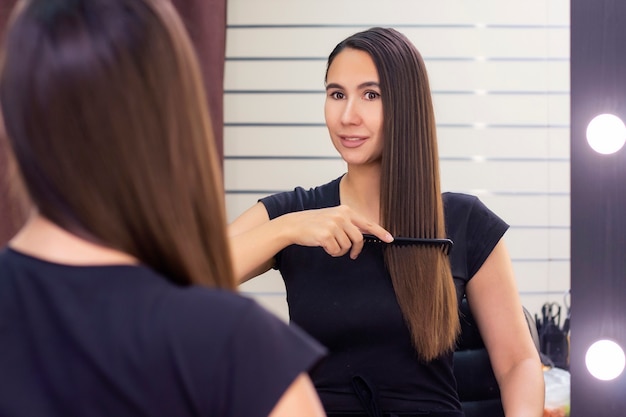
(500, 81)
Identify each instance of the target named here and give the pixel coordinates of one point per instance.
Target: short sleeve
(475, 230)
(230, 356)
(299, 199)
(266, 355)
(484, 231)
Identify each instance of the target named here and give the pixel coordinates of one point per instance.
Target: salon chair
(476, 383)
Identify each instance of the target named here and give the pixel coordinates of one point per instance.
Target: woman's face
(353, 108)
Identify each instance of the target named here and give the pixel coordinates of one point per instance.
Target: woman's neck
(45, 240)
(360, 189)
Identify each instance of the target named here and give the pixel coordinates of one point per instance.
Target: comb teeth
(444, 244)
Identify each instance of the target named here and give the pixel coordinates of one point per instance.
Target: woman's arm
(255, 239)
(300, 399)
(493, 298)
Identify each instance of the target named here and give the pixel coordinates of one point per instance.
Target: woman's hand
(255, 239)
(336, 229)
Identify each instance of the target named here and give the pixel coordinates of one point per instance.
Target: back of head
(411, 203)
(104, 109)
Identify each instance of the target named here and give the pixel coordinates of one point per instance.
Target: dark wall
(598, 202)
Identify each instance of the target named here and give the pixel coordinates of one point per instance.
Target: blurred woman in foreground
(117, 296)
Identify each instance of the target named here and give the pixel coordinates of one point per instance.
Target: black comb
(445, 244)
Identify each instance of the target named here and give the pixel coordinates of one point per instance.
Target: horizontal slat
(510, 109)
(277, 141)
(538, 244)
(529, 110)
(274, 108)
(432, 42)
(445, 76)
(279, 175)
(511, 143)
(535, 211)
(469, 142)
(522, 178)
(324, 12)
(543, 275)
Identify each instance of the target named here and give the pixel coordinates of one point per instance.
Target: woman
(116, 297)
(388, 312)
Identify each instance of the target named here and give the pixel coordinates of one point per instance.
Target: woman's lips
(352, 141)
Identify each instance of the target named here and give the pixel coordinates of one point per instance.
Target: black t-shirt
(123, 341)
(351, 308)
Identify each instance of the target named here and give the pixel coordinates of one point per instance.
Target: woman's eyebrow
(369, 84)
(359, 87)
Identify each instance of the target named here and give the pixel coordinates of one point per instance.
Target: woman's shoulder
(458, 207)
(466, 206)
(455, 199)
(301, 198)
(475, 230)
(466, 213)
(225, 313)
(230, 338)
(212, 304)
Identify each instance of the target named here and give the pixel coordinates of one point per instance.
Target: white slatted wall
(499, 72)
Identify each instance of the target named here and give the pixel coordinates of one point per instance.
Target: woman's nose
(350, 114)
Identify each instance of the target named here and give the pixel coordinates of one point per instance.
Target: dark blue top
(350, 307)
(123, 341)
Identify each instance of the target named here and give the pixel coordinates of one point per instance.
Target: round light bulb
(605, 360)
(606, 133)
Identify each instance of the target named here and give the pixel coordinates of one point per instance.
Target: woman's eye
(371, 95)
(337, 95)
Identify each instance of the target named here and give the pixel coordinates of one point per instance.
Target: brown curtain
(10, 219)
(206, 23)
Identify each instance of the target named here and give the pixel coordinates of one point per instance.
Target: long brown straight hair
(410, 198)
(105, 112)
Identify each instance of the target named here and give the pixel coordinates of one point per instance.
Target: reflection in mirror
(500, 81)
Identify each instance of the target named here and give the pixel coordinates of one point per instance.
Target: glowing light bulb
(606, 133)
(605, 360)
